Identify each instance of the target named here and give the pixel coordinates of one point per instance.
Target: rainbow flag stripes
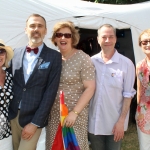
(65, 138)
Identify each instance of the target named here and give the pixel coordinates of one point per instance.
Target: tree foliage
(117, 1)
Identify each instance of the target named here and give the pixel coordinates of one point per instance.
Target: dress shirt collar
(40, 49)
(115, 57)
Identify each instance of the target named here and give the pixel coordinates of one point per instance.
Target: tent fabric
(84, 14)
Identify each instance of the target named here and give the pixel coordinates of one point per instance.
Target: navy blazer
(38, 94)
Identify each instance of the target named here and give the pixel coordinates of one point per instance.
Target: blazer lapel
(40, 60)
(21, 62)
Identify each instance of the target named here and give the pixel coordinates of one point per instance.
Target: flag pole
(61, 117)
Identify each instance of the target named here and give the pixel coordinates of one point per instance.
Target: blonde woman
(143, 92)
(6, 95)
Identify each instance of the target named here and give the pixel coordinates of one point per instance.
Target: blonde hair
(9, 53)
(6, 64)
(147, 31)
(66, 24)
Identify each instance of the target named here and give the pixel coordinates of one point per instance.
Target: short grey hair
(108, 26)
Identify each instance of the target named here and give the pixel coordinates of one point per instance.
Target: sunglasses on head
(145, 42)
(66, 35)
(2, 51)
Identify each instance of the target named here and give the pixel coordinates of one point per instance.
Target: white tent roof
(14, 14)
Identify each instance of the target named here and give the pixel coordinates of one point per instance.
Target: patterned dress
(6, 96)
(143, 109)
(74, 70)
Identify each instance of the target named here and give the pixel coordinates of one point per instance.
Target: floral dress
(143, 108)
(6, 95)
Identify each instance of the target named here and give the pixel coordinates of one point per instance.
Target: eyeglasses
(66, 35)
(2, 52)
(144, 42)
(2, 44)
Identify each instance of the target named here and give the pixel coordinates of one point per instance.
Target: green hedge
(117, 1)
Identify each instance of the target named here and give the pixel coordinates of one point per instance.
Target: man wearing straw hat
(36, 70)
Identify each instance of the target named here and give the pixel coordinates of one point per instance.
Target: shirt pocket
(115, 78)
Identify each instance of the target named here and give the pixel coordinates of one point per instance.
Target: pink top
(143, 109)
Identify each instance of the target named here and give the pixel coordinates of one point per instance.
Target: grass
(130, 141)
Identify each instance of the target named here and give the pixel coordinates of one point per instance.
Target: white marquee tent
(14, 14)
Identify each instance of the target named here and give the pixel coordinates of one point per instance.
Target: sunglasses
(66, 35)
(2, 52)
(144, 42)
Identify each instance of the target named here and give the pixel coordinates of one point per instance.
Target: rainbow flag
(65, 138)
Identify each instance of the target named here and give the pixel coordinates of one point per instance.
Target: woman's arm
(86, 96)
(82, 102)
(138, 85)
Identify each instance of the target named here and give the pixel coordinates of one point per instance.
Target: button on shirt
(114, 80)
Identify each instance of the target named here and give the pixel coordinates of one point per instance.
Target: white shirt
(29, 62)
(114, 80)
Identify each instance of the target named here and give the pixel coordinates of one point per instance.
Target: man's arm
(42, 113)
(118, 129)
(128, 94)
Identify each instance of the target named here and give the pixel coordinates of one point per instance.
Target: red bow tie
(32, 49)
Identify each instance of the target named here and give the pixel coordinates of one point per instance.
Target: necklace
(67, 55)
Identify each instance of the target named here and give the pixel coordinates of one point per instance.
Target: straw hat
(9, 52)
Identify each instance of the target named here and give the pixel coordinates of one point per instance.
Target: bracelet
(75, 112)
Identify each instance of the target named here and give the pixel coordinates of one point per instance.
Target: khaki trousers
(18, 142)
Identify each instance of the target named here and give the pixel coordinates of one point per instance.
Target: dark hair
(36, 15)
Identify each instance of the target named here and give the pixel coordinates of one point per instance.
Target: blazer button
(24, 89)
